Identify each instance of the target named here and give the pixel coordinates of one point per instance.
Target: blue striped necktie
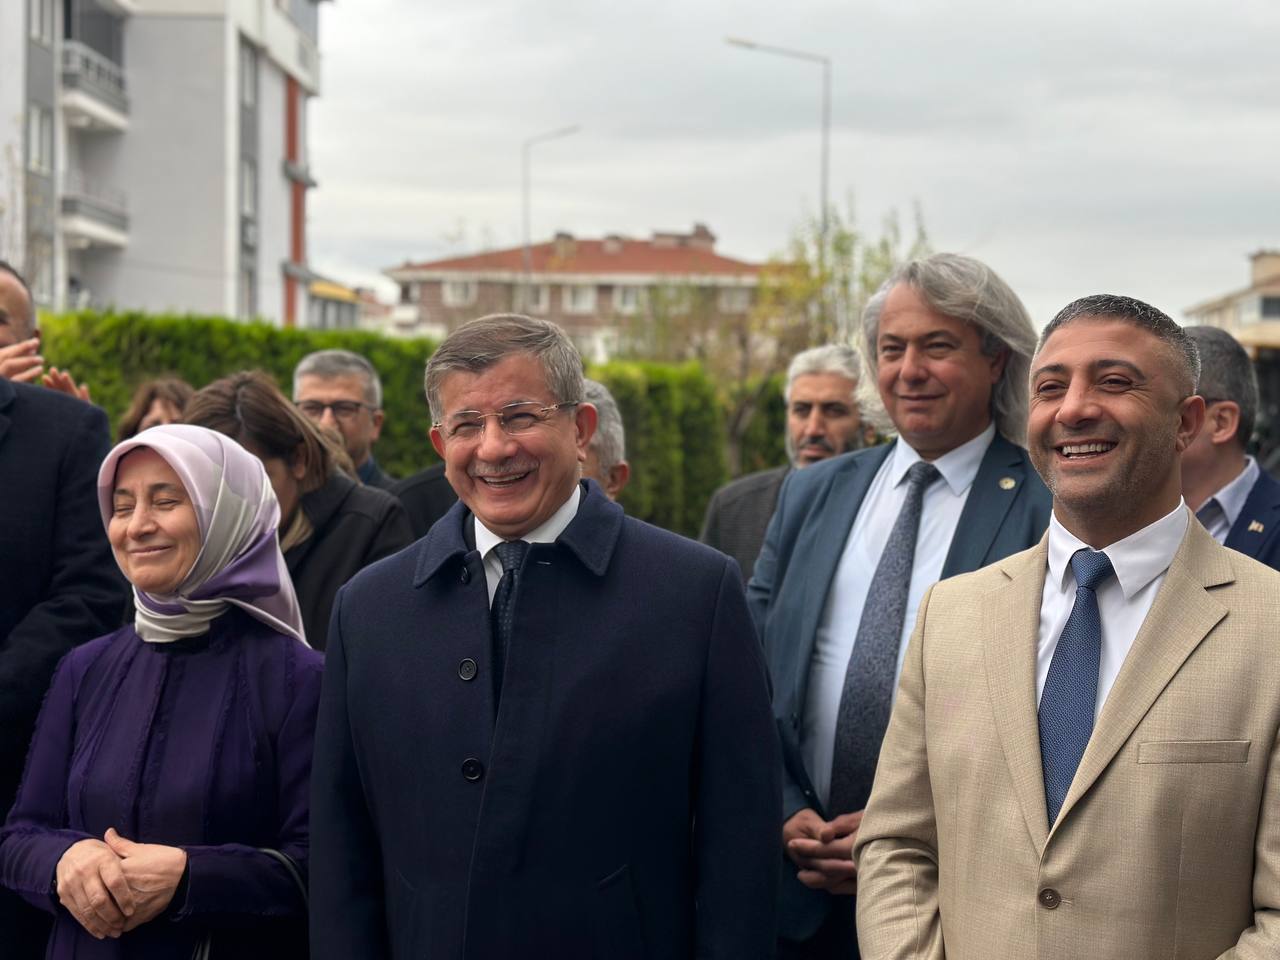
(512, 554)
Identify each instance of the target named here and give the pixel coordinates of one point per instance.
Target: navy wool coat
(623, 803)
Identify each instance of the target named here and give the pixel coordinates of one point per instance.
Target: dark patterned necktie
(1070, 692)
(502, 613)
(868, 680)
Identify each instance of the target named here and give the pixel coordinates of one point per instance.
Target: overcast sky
(1125, 146)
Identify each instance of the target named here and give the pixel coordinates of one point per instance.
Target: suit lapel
(1259, 520)
(823, 547)
(7, 394)
(1000, 476)
(1011, 638)
(1182, 615)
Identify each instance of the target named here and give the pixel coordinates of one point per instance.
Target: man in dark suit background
(544, 729)
(1235, 499)
(822, 421)
(857, 539)
(58, 580)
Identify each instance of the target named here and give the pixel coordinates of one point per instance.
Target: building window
(579, 298)
(408, 293)
(539, 297)
(41, 13)
(459, 293)
(626, 299)
(1271, 308)
(676, 301)
(39, 140)
(248, 76)
(735, 299)
(248, 292)
(248, 187)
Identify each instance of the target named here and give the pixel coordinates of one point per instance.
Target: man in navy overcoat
(544, 729)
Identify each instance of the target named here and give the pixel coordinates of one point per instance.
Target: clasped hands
(823, 850)
(22, 363)
(113, 885)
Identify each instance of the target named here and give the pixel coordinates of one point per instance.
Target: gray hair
(610, 439)
(964, 289)
(1227, 373)
(478, 344)
(831, 358)
(1114, 306)
(327, 364)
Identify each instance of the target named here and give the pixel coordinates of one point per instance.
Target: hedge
(674, 414)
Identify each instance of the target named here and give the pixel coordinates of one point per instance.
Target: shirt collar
(1137, 559)
(546, 532)
(958, 467)
(1232, 497)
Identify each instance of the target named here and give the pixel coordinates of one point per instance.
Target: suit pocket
(618, 934)
(1194, 751)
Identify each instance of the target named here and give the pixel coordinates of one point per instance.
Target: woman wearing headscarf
(164, 808)
(331, 525)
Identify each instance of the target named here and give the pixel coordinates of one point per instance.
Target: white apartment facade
(153, 153)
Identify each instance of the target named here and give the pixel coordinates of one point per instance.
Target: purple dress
(203, 744)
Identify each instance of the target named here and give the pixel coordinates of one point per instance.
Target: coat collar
(7, 396)
(1182, 615)
(1000, 479)
(592, 535)
(1259, 519)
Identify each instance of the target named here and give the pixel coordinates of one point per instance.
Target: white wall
(13, 105)
(273, 193)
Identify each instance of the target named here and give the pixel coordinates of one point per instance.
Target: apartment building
(153, 153)
(1250, 314)
(595, 289)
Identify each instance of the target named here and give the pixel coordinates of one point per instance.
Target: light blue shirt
(1220, 512)
(943, 503)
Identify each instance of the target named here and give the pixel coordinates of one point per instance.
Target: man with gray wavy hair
(606, 461)
(855, 542)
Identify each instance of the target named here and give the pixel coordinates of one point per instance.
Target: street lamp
(524, 157)
(826, 108)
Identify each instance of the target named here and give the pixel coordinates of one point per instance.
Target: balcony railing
(84, 68)
(96, 201)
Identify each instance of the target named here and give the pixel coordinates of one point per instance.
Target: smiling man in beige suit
(1082, 761)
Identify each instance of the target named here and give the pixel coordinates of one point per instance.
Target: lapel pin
(1007, 483)
(1255, 526)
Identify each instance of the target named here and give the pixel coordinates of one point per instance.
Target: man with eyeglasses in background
(341, 390)
(545, 727)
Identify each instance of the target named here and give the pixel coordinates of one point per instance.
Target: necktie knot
(1091, 568)
(921, 473)
(511, 553)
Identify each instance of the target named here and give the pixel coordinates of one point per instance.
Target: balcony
(93, 90)
(93, 214)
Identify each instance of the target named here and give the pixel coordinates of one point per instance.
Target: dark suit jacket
(739, 513)
(1256, 531)
(623, 803)
(59, 584)
(788, 592)
(426, 496)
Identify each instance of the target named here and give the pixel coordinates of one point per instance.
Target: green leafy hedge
(674, 414)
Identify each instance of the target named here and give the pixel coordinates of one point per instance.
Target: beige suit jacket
(1168, 844)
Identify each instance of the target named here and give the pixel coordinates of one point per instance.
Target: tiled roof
(611, 256)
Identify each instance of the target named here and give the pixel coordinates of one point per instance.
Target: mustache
(503, 468)
(822, 442)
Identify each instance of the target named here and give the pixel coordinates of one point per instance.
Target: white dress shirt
(1140, 561)
(547, 532)
(1220, 512)
(940, 512)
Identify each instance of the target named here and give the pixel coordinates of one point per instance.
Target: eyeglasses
(514, 419)
(342, 409)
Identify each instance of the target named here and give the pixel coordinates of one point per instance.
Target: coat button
(467, 669)
(473, 769)
(465, 575)
(1049, 898)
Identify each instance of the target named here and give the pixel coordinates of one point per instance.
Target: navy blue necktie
(1070, 692)
(511, 553)
(867, 696)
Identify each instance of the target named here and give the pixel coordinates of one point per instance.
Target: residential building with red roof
(595, 289)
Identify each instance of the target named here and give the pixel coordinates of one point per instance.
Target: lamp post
(525, 149)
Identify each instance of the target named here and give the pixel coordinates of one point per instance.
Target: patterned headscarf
(239, 563)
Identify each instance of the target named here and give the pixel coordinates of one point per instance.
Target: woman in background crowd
(155, 402)
(330, 526)
(164, 808)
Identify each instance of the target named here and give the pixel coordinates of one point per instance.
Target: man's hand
(825, 859)
(63, 382)
(91, 884)
(153, 872)
(804, 824)
(21, 361)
